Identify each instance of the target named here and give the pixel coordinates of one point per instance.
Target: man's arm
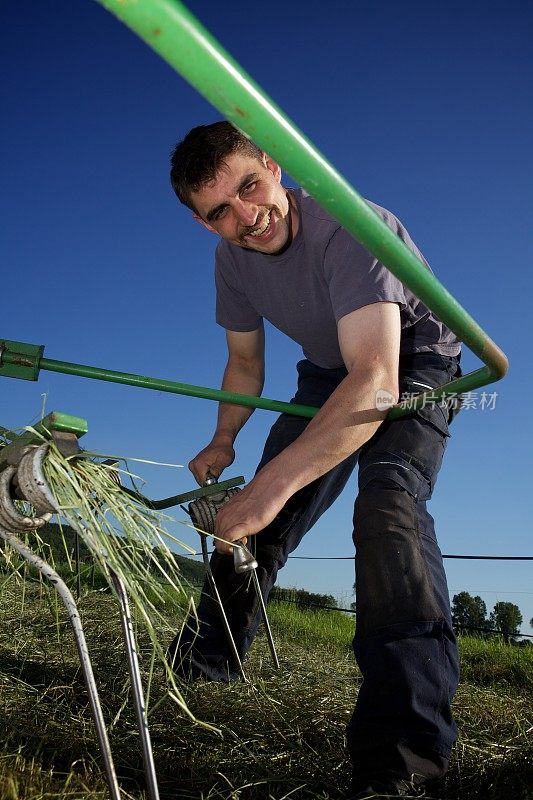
(369, 339)
(244, 373)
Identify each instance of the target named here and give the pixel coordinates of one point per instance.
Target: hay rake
(22, 478)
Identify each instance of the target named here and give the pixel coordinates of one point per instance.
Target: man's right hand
(213, 459)
(244, 374)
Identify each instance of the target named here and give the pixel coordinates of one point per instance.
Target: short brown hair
(196, 160)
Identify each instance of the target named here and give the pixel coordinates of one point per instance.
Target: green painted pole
(457, 386)
(181, 40)
(174, 387)
(32, 363)
(173, 32)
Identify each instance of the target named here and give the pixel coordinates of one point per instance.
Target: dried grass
(281, 736)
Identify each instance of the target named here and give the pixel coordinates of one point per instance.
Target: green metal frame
(180, 39)
(55, 422)
(26, 366)
(27, 356)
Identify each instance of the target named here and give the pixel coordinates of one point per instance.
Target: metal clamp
(245, 562)
(203, 513)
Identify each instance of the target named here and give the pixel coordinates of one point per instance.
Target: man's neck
(293, 222)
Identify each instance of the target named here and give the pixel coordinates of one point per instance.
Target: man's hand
(251, 510)
(213, 459)
(244, 374)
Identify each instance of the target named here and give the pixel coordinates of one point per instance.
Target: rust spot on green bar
(157, 31)
(495, 358)
(22, 362)
(240, 111)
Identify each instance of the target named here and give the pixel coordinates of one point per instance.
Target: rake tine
(225, 623)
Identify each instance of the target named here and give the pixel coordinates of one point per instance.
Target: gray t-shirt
(323, 275)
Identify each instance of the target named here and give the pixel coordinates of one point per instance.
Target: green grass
(329, 629)
(491, 662)
(281, 735)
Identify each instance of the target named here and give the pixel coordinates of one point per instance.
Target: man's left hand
(249, 511)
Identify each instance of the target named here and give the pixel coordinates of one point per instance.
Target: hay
(125, 537)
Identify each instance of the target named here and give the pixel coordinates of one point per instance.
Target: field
(280, 736)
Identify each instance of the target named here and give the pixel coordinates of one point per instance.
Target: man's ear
(271, 165)
(202, 222)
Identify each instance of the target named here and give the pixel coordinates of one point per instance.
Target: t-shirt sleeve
(356, 278)
(233, 309)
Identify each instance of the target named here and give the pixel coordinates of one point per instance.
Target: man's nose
(246, 213)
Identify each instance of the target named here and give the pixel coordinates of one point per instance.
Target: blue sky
(424, 107)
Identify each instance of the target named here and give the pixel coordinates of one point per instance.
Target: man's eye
(219, 214)
(249, 187)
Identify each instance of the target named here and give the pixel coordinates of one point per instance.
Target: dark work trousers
(404, 643)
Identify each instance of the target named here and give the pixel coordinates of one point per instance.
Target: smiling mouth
(263, 228)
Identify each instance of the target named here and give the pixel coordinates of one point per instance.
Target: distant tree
(192, 571)
(506, 617)
(531, 622)
(469, 612)
(303, 598)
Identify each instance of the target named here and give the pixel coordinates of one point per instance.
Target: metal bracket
(176, 500)
(23, 362)
(63, 429)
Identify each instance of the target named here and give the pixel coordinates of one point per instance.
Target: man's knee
(393, 585)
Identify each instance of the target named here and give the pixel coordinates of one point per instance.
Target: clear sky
(424, 107)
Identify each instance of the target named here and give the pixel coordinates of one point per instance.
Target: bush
(303, 598)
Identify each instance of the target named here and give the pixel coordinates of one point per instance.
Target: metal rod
(227, 629)
(176, 500)
(85, 661)
(245, 562)
(466, 383)
(270, 638)
(78, 562)
(136, 686)
(180, 39)
(174, 387)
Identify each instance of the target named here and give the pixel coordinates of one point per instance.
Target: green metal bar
(181, 40)
(55, 421)
(177, 499)
(161, 385)
(457, 386)
(25, 368)
(174, 387)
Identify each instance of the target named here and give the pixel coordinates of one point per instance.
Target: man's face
(247, 205)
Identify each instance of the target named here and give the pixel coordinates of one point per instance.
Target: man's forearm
(243, 378)
(347, 420)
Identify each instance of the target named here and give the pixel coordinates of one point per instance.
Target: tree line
(470, 613)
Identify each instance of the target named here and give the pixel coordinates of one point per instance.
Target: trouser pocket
(392, 581)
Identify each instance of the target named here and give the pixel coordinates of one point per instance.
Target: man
(364, 335)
